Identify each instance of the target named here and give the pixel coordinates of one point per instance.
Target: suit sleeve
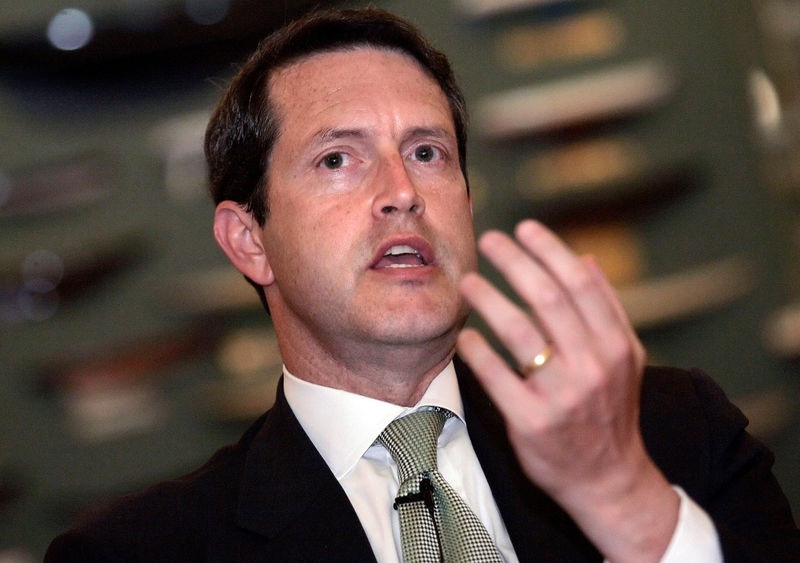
(751, 514)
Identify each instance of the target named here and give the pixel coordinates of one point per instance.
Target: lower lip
(407, 272)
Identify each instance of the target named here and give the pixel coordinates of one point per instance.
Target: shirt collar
(343, 425)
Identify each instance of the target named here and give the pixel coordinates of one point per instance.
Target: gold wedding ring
(539, 360)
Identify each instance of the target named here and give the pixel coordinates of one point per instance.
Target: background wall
(129, 350)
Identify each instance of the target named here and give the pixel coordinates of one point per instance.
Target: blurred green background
(130, 351)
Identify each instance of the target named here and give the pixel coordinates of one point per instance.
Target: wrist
(629, 514)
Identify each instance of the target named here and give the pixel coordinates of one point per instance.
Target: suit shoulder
(677, 399)
(693, 432)
(163, 521)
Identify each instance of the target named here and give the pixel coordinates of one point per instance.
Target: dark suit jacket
(271, 497)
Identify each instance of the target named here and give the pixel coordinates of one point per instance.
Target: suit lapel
(539, 529)
(289, 495)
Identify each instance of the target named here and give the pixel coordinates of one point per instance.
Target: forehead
(360, 79)
(359, 60)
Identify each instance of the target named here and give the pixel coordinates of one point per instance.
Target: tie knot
(412, 439)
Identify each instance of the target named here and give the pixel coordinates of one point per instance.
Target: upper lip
(421, 246)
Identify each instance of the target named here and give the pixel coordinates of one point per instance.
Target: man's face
(370, 224)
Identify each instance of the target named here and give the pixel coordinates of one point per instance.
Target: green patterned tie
(435, 523)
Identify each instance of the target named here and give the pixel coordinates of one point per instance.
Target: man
(337, 161)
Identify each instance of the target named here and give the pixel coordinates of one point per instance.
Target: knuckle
(619, 347)
(596, 377)
(551, 297)
(520, 333)
(493, 367)
(581, 279)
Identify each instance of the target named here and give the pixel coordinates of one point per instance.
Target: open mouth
(401, 256)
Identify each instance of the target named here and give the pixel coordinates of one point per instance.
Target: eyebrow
(330, 134)
(437, 132)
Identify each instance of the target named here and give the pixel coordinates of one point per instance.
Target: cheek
(457, 230)
(469, 250)
(323, 237)
(457, 204)
(464, 221)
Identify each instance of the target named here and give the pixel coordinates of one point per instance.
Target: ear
(238, 234)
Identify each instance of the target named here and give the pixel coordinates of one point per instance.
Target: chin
(414, 327)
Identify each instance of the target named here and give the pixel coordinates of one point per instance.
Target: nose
(397, 194)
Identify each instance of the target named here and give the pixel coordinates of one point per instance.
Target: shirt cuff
(695, 537)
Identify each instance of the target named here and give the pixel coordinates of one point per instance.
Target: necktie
(435, 523)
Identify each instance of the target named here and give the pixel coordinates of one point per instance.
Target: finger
(619, 311)
(506, 390)
(581, 283)
(553, 307)
(515, 329)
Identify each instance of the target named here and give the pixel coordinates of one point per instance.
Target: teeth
(402, 249)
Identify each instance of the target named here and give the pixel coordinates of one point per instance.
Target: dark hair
(244, 126)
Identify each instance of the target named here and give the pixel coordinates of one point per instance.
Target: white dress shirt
(343, 427)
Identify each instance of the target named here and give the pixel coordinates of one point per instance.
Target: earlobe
(238, 234)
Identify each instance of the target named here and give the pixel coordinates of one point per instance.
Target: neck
(398, 374)
(395, 365)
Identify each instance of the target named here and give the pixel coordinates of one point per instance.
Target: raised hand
(571, 404)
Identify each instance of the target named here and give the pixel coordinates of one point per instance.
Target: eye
(426, 153)
(333, 160)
